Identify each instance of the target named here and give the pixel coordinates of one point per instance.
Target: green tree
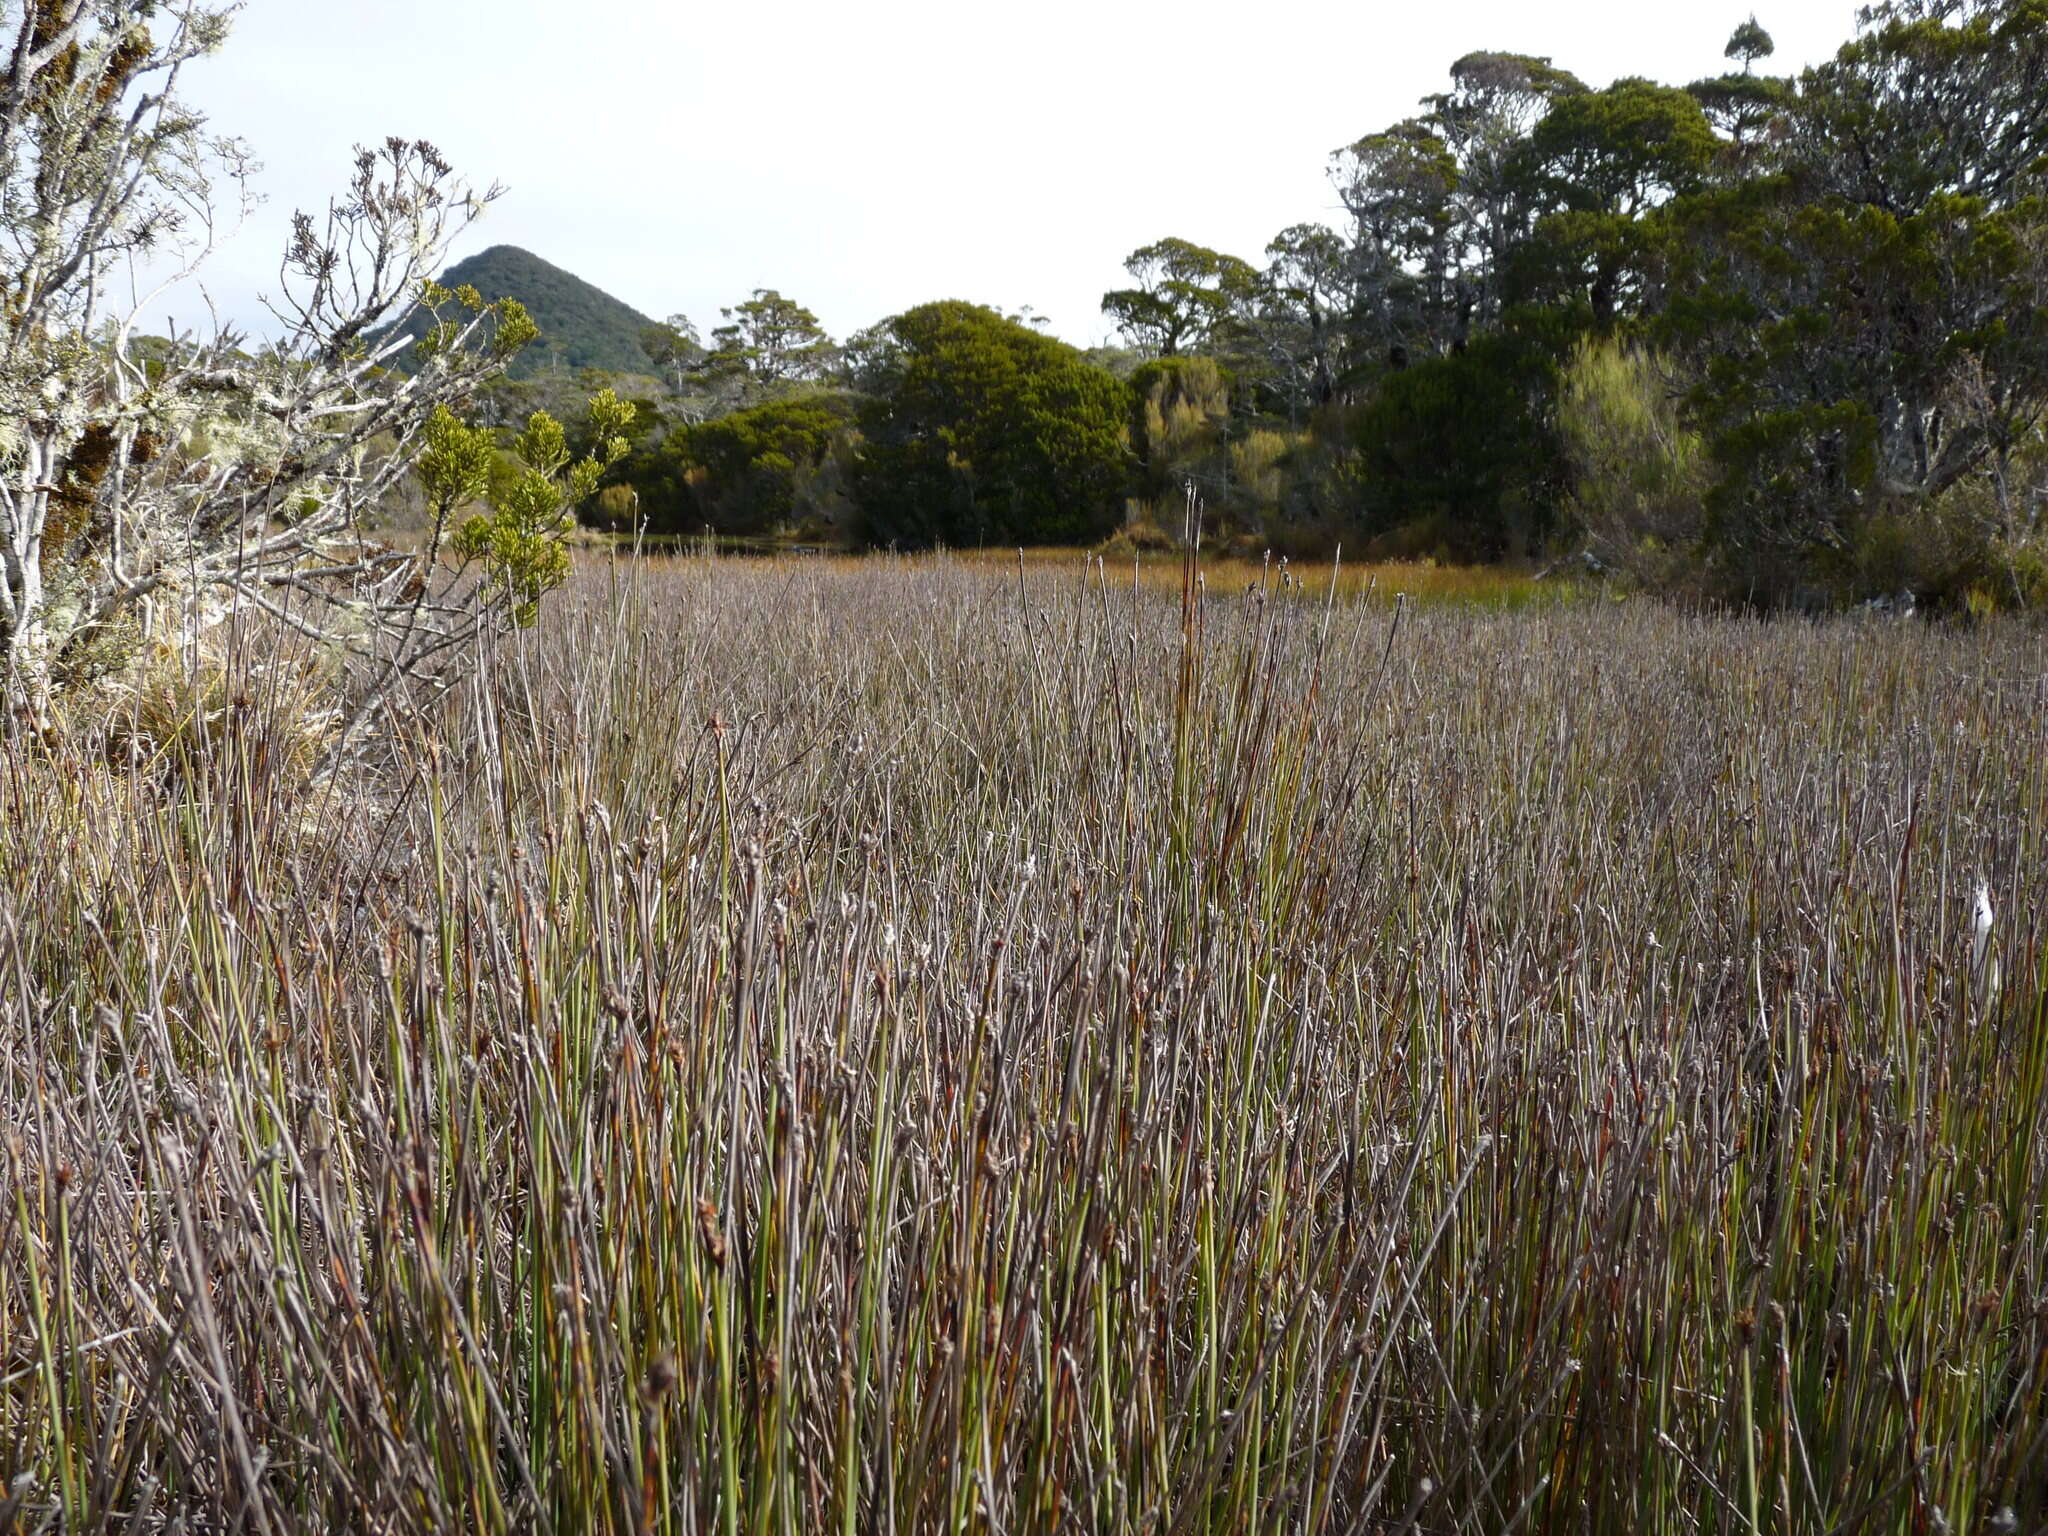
(1297, 327)
(673, 347)
(1639, 474)
(1183, 296)
(1747, 111)
(1595, 168)
(1865, 322)
(1742, 109)
(865, 358)
(983, 431)
(1459, 450)
(1749, 42)
(1402, 270)
(1495, 103)
(1439, 203)
(776, 464)
(768, 342)
(1180, 412)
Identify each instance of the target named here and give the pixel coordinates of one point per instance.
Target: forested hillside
(581, 326)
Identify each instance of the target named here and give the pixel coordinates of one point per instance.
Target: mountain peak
(581, 326)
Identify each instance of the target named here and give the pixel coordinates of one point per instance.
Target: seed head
(1983, 959)
(659, 1381)
(707, 1231)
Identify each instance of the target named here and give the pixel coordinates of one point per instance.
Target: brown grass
(900, 1045)
(1422, 582)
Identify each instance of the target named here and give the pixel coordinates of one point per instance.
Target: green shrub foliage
(983, 431)
(774, 466)
(1458, 453)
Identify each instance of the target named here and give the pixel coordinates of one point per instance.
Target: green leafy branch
(511, 327)
(519, 541)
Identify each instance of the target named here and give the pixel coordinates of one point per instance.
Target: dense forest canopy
(1760, 338)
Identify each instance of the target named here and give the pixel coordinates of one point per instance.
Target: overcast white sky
(864, 157)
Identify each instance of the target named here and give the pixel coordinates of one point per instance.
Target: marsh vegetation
(916, 1045)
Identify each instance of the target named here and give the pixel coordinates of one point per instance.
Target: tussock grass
(921, 1045)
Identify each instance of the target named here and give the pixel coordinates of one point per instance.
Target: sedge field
(814, 1046)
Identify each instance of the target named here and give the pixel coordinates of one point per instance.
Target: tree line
(1764, 338)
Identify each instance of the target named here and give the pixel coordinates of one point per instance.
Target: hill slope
(581, 326)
